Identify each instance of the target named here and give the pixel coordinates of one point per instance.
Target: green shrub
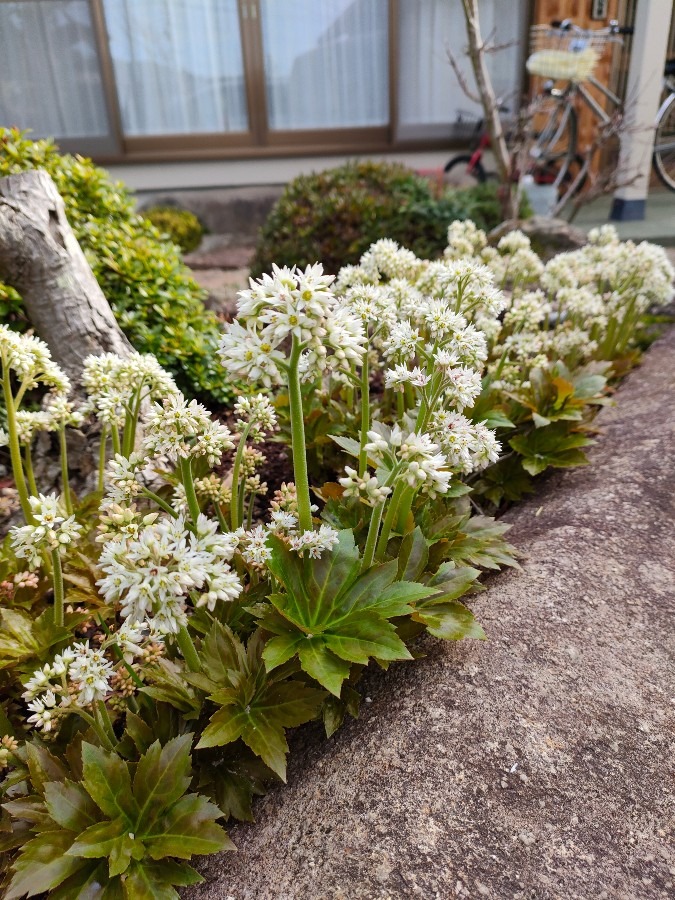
(158, 304)
(180, 225)
(334, 216)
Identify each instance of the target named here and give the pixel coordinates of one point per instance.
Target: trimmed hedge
(334, 216)
(180, 225)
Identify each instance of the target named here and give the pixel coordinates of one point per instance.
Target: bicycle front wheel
(664, 143)
(554, 150)
(459, 172)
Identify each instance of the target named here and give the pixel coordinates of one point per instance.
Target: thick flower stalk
(290, 328)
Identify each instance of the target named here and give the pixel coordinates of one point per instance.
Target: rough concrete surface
(535, 765)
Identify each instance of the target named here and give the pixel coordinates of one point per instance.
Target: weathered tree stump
(41, 258)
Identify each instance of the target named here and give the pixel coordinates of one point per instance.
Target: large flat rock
(536, 765)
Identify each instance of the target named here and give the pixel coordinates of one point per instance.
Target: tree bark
(493, 122)
(41, 258)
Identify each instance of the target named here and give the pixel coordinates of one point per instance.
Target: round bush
(180, 225)
(334, 216)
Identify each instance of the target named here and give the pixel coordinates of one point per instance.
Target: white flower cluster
(31, 361)
(115, 385)
(290, 303)
(51, 530)
(153, 573)
(178, 429)
(258, 413)
(413, 457)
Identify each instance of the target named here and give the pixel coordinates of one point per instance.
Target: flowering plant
(175, 619)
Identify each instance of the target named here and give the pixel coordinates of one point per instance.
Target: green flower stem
(98, 726)
(131, 424)
(235, 515)
(95, 724)
(298, 439)
(59, 593)
(373, 530)
(220, 516)
(115, 432)
(374, 527)
(102, 458)
(365, 415)
(189, 485)
(105, 721)
(188, 649)
(63, 445)
(160, 502)
(389, 520)
(30, 475)
(14, 447)
(404, 509)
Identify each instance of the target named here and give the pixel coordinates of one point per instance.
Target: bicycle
(563, 51)
(663, 158)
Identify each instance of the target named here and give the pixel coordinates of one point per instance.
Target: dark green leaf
(70, 805)
(189, 828)
(43, 865)
(108, 782)
(99, 840)
(162, 776)
(322, 665)
(450, 621)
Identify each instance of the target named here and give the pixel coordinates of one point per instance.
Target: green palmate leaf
(100, 840)
(70, 805)
(171, 872)
(349, 444)
(169, 686)
(140, 884)
(43, 864)
(480, 541)
(452, 582)
(335, 708)
(233, 780)
(555, 446)
(322, 665)
(413, 556)
(108, 782)
(43, 766)
(451, 621)
(85, 884)
(325, 605)
(189, 828)
(362, 636)
(506, 480)
(162, 776)
(31, 809)
(255, 708)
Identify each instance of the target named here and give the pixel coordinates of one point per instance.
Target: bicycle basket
(565, 55)
(465, 125)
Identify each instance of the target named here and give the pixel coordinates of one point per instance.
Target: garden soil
(538, 764)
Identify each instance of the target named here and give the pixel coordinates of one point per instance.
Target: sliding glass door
(178, 66)
(325, 63)
(50, 74)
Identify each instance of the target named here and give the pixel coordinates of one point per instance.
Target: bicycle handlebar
(612, 28)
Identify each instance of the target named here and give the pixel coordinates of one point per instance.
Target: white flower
(122, 478)
(254, 548)
(281, 521)
(314, 543)
(401, 342)
(258, 413)
(179, 429)
(45, 716)
(249, 354)
(367, 488)
(51, 531)
(91, 672)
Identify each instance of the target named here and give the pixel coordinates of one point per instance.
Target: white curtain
(428, 89)
(178, 65)
(50, 80)
(326, 63)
